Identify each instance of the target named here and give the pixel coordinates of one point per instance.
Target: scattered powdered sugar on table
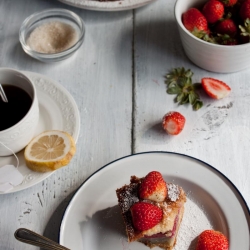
(193, 223)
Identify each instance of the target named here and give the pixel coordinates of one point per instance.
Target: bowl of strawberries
(215, 34)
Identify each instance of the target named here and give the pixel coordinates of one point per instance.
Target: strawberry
(226, 26)
(193, 18)
(213, 11)
(228, 3)
(145, 215)
(245, 10)
(153, 187)
(211, 240)
(173, 122)
(215, 88)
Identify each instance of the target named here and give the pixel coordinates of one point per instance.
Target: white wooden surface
(117, 81)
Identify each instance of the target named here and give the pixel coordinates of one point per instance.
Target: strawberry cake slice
(152, 210)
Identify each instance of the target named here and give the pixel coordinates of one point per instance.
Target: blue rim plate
(92, 219)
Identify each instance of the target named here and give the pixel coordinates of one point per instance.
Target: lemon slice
(49, 151)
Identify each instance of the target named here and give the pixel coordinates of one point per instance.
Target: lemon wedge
(49, 151)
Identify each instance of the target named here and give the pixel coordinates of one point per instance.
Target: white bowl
(46, 16)
(19, 135)
(211, 57)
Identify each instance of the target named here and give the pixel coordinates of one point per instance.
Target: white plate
(58, 110)
(93, 221)
(107, 6)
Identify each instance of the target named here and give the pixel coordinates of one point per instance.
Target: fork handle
(32, 238)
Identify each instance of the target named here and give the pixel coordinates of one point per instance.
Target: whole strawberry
(211, 240)
(245, 10)
(173, 122)
(193, 18)
(226, 26)
(213, 11)
(145, 215)
(153, 187)
(228, 3)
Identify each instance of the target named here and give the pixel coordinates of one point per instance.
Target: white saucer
(107, 6)
(58, 110)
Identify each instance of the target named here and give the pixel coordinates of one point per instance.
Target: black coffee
(18, 105)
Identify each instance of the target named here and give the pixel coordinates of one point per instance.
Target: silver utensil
(2, 94)
(32, 238)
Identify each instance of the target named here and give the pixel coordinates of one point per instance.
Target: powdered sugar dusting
(173, 192)
(128, 195)
(193, 223)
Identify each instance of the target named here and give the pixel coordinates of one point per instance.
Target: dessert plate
(58, 110)
(93, 221)
(107, 6)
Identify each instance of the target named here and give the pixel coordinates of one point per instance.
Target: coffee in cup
(19, 117)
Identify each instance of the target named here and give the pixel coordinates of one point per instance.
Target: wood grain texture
(117, 81)
(99, 78)
(218, 133)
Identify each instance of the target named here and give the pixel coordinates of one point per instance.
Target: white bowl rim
(178, 19)
(33, 100)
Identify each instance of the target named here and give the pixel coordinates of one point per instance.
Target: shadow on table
(52, 229)
(156, 134)
(106, 226)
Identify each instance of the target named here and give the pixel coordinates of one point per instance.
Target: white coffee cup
(19, 135)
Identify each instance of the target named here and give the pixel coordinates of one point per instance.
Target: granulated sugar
(193, 223)
(52, 37)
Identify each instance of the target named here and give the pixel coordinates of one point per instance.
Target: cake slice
(156, 224)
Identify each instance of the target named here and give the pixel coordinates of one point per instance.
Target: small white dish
(93, 220)
(45, 17)
(107, 6)
(58, 110)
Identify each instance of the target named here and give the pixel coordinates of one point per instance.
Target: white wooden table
(117, 81)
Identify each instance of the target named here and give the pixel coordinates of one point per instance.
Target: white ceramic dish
(211, 57)
(58, 110)
(93, 221)
(44, 17)
(107, 6)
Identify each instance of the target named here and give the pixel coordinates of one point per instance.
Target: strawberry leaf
(197, 105)
(174, 90)
(192, 97)
(179, 82)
